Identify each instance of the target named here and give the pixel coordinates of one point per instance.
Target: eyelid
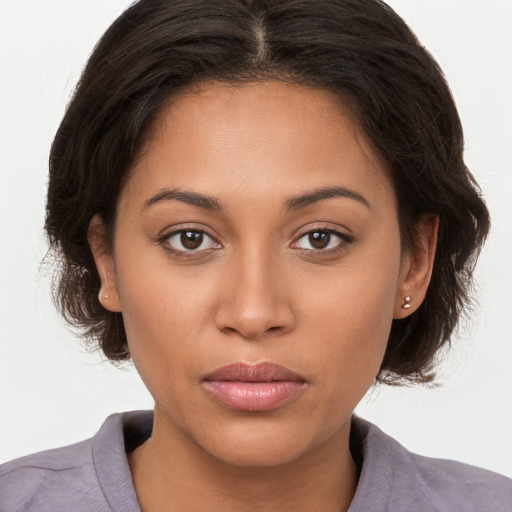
(191, 226)
(346, 239)
(342, 231)
(169, 232)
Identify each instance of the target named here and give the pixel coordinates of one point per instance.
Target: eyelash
(345, 240)
(164, 241)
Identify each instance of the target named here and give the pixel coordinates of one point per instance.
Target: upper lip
(260, 372)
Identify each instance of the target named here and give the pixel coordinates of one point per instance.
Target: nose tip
(254, 307)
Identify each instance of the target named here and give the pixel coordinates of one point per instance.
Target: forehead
(263, 135)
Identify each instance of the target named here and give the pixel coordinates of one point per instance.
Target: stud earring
(106, 296)
(407, 303)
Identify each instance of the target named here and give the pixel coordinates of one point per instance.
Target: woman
(265, 206)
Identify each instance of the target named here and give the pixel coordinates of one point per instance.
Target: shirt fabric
(94, 475)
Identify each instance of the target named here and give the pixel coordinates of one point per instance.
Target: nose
(254, 303)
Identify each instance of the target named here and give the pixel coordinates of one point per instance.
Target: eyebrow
(291, 204)
(319, 194)
(192, 198)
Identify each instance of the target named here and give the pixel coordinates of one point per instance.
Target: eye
(190, 240)
(322, 240)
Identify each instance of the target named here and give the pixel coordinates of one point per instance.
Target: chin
(257, 455)
(259, 444)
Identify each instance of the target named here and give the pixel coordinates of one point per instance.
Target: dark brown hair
(359, 49)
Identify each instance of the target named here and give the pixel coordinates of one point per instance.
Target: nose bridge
(255, 303)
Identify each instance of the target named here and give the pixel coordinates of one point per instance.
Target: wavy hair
(361, 50)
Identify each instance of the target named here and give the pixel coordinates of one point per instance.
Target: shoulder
(453, 483)
(53, 476)
(89, 475)
(408, 481)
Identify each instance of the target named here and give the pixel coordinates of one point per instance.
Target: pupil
(320, 239)
(191, 239)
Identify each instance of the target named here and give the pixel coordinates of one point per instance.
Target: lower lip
(253, 396)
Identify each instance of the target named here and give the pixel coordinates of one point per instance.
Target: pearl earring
(407, 303)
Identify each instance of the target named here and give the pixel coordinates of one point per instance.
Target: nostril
(252, 334)
(254, 315)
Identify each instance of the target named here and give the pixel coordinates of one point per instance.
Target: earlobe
(417, 267)
(108, 295)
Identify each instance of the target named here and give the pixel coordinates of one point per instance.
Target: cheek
(352, 332)
(351, 317)
(166, 311)
(160, 326)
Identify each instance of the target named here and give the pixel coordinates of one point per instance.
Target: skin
(257, 290)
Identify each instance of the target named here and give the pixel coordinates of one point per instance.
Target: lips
(258, 387)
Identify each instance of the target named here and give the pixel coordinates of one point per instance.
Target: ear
(108, 296)
(416, 267)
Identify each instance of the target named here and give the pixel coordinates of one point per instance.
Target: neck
(170, 472)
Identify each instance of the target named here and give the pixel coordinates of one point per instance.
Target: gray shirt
(94, 475)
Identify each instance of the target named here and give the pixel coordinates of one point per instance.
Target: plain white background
(53, 393)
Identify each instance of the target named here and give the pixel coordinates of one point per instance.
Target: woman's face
(259, 226)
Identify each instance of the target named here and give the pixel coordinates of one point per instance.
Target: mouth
(253, 387)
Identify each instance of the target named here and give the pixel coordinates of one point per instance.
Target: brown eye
(319, 239)
(191, 239)
(322, 240)
(188, 240)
